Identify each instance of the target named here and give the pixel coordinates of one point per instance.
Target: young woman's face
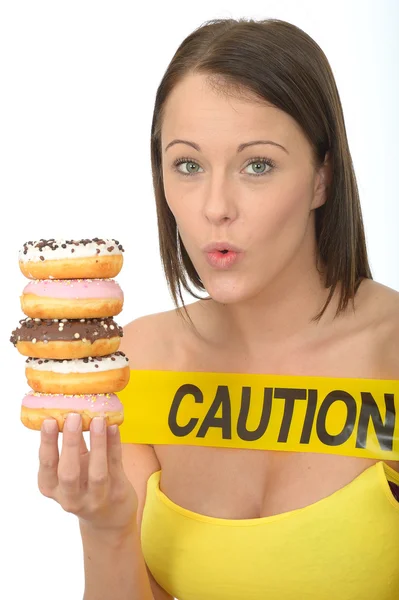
(219, 194)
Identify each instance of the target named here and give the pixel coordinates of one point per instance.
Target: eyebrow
(240, 148)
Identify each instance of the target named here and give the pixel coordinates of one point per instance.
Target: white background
(78, 82)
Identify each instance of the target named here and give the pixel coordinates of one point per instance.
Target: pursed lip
(218, 246)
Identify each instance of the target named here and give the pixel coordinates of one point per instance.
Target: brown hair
(278, 63)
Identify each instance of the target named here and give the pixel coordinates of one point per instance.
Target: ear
(322, 182)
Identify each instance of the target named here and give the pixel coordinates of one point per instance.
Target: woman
(249, 149)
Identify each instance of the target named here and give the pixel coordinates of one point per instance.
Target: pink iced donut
(72, 298)
(37, 407)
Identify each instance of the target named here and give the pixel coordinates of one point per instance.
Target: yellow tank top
(344, 546)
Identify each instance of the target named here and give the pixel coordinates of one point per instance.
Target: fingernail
(49, 425)
(98, 424)
(73, 421)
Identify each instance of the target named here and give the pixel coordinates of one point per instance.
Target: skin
(259, 318)
(275, 289)
(265, 302)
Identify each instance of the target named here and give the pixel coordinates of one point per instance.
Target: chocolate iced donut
(37, 407)
(71, 259)
(66, 338)
(92, 375)
(72, 298)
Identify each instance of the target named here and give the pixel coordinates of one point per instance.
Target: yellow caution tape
(352, 417)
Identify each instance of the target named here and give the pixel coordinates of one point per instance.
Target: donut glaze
(93, 375)
(72, 299)
(37, 407)
(71, 259)
(66, 338)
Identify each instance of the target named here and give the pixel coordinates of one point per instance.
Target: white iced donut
(71, 259)
(91, 375)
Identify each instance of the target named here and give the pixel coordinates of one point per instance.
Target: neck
(280, 316)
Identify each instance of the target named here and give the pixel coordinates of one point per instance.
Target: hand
(92, 485)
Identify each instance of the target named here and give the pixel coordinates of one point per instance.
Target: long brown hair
(279, 63)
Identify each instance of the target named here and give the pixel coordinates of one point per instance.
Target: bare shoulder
(148, 341)
(382, 320)
(384, 313)
(142, 329)
(390, 343)
(144, 341)
(386, 307)
(382, 296)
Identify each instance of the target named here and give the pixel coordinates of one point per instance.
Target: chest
(242, 483)
(330, 550)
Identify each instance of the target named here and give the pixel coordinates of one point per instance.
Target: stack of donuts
(69, 334)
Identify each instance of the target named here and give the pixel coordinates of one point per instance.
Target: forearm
(114, 566)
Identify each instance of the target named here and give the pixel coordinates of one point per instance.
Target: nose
(219, 204)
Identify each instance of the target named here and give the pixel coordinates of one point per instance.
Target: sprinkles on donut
(71, 259)
(69, 336)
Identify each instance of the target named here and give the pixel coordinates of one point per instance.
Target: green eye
(187, 162)
(257, 162)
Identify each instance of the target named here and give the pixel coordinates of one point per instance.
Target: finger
(48, 457)
(114, 451)
(83, 446)
(98, 464)
(69, 463)
(84, 463)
